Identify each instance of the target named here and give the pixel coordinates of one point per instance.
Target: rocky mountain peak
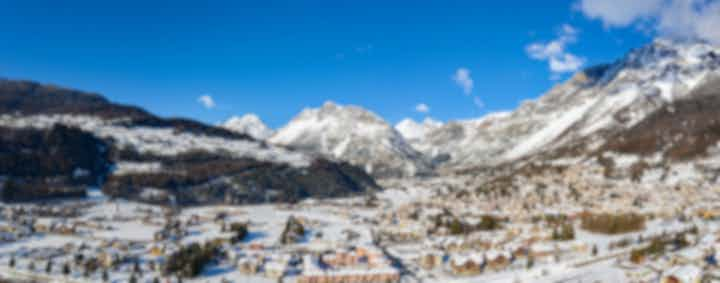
(352, 134)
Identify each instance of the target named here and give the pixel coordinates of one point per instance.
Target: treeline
(612, 223)
(206, 178)
(48, 163)
(58, 151)
(20, 190)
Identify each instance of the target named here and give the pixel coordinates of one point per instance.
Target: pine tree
(12, 262)
(568, 232)
(136, 267)
(8, 190)
(133, 279)
(66, 269)
(105, 275)
(456, 227)
(78, 258)
(594, 250)
(48, 267)
(31, 266)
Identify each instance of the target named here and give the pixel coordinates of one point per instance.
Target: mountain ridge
(157, 159)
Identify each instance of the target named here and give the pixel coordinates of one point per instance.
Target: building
(467, 265)
(431, 259)
(249, 266)
(682, 274)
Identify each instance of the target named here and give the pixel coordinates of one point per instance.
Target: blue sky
(274, 58)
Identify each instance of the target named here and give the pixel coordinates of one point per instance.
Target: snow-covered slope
(462, 142)
(590, 106)
(413, 131)
(153, 159)
(162, 141)
(249, 124)
(355, 135)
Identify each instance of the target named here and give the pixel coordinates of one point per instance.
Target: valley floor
(420, 230)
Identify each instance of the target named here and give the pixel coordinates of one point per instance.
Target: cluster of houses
(254, 259)
(495, 252)
(354, 265)
(526, 239)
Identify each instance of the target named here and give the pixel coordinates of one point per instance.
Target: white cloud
(619, 12)
(422, 108)
(566, 63)
(462, 78)
(207, 101)
(542, 51)
(679, 19)
(554, 51)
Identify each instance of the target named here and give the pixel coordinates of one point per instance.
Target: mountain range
(652, 115)
(585, 113)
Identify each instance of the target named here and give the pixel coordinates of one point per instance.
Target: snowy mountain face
(415, 132)
(249, 124)
(590, 106)
(354, 135)
(458, 143)
(675, 146)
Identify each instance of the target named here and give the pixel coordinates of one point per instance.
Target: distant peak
(249, 124)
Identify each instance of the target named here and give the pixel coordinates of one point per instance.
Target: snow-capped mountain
(249, 124)
(354, 135)
(590, 106)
